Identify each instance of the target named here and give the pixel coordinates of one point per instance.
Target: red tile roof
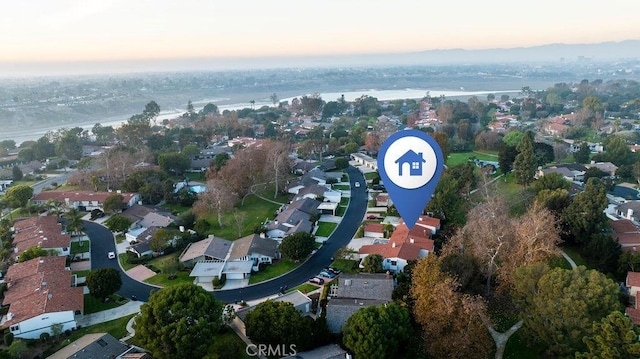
(633, 314)
(374, 227)
(402, 244)
(38, 286)
(624, 226)
(45, 232)
(44, 221)
(633, 279)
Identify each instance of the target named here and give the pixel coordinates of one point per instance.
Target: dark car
(377, 187)
(327, 274)
(373, 216)
(333, 270)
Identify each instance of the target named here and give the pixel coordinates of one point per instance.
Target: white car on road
(111, 255)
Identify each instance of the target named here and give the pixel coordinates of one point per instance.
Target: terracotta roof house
(374, 230)
(40, 293)
(403, 246)
(84, 200)
(632, 282)
(210, 248)
(431, 223)
(44, 232)
(355, 291)
(255, 247)
(627, 234)
(98, 346)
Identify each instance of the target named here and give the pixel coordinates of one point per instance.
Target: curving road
(102, 242)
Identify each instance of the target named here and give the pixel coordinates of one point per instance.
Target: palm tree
(74, 221)
(54, 207)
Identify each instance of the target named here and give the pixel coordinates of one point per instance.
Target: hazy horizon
(107, 36)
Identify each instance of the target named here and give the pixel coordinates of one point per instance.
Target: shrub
(8, 339)
(44, 337)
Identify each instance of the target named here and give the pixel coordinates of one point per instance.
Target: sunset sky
(99, 30)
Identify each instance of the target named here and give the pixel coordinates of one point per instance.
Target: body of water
(28, 134)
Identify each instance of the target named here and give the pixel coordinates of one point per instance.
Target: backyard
(463, 157)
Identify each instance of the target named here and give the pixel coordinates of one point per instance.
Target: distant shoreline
(32, 134)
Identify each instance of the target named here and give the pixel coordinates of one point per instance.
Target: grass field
(345, 265)
(80, 247)
(94, 305)
(340, 187)
(304, 288)
(463, 157)
(325, 228)
(282, 266)
(163, 280)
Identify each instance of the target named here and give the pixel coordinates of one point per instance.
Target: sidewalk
(129, 308)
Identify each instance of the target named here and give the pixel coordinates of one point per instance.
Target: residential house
(40, 293)
(629, 210)
(4, 184)
(98, 345)
(210, 248)
(570, 175)
(606, 167)
(303, 167)
(632, 282)
(44, 232)
(428, 222)
(256, 248)
(84, 200)
(300, 302)
(141, 243)
(627, 234)
(365, 160)
(295, 218)
(314, 191)
(374, 230)
(138, 212)
(205, 271)
(404, 245)
(383, 200)
(355, 291)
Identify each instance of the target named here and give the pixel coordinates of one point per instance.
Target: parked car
(377, 187)
(316, 280)
(111, 255)
(373, 216)
(327, 274)
(333, 270)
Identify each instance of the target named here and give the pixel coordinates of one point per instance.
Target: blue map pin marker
(410, 163)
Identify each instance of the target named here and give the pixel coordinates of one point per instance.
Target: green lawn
(224, 336)
(94, 305)
(117, 328)
(304, 288)
(371, 175)
(325, 228)
(344, 201)
(80, 247)
(341, 211)
(255, 211)
(164, 281)
(575, 255)
(341, 187)
(282, 266)
(463, 157)
(122, 257)
(346, 265)
(82, 273)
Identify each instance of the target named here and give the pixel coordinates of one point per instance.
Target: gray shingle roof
(253, 243)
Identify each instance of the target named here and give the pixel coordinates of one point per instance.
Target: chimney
(629, 213)
(411, 240)
(393, 244)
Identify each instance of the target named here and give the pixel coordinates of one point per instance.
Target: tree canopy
(615, 337)
(103, 282)
(278, 323)
(378, 332)
(559, 306)
(179, 322)
(18, 196)
(297, 246)
(118, 223)
(113, 203)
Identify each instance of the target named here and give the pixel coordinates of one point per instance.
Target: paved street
(102, 242)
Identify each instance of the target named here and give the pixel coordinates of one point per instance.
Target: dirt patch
(140, 273)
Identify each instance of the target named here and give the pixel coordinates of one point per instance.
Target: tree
(217, 198)
(560, 305)
(297, 246)
(378, 332)
(161, 239)
(118, 223)
(174, 162)
(278, 163)
(525, 163)
(113, 203)
(179, 322)
(18, 196)
(278, 323)
(585, 215)
(450, 325)
(506, 157)
(103, 282)
(18, 348)
(551, 181)
(372, 263)
(74, 221)
(341, 163)
(274, 98)
(583, 153)
(16, 173)
(613, 337)
(171, 267)
(35, 252)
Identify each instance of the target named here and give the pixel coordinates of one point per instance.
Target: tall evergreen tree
(525, 162)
